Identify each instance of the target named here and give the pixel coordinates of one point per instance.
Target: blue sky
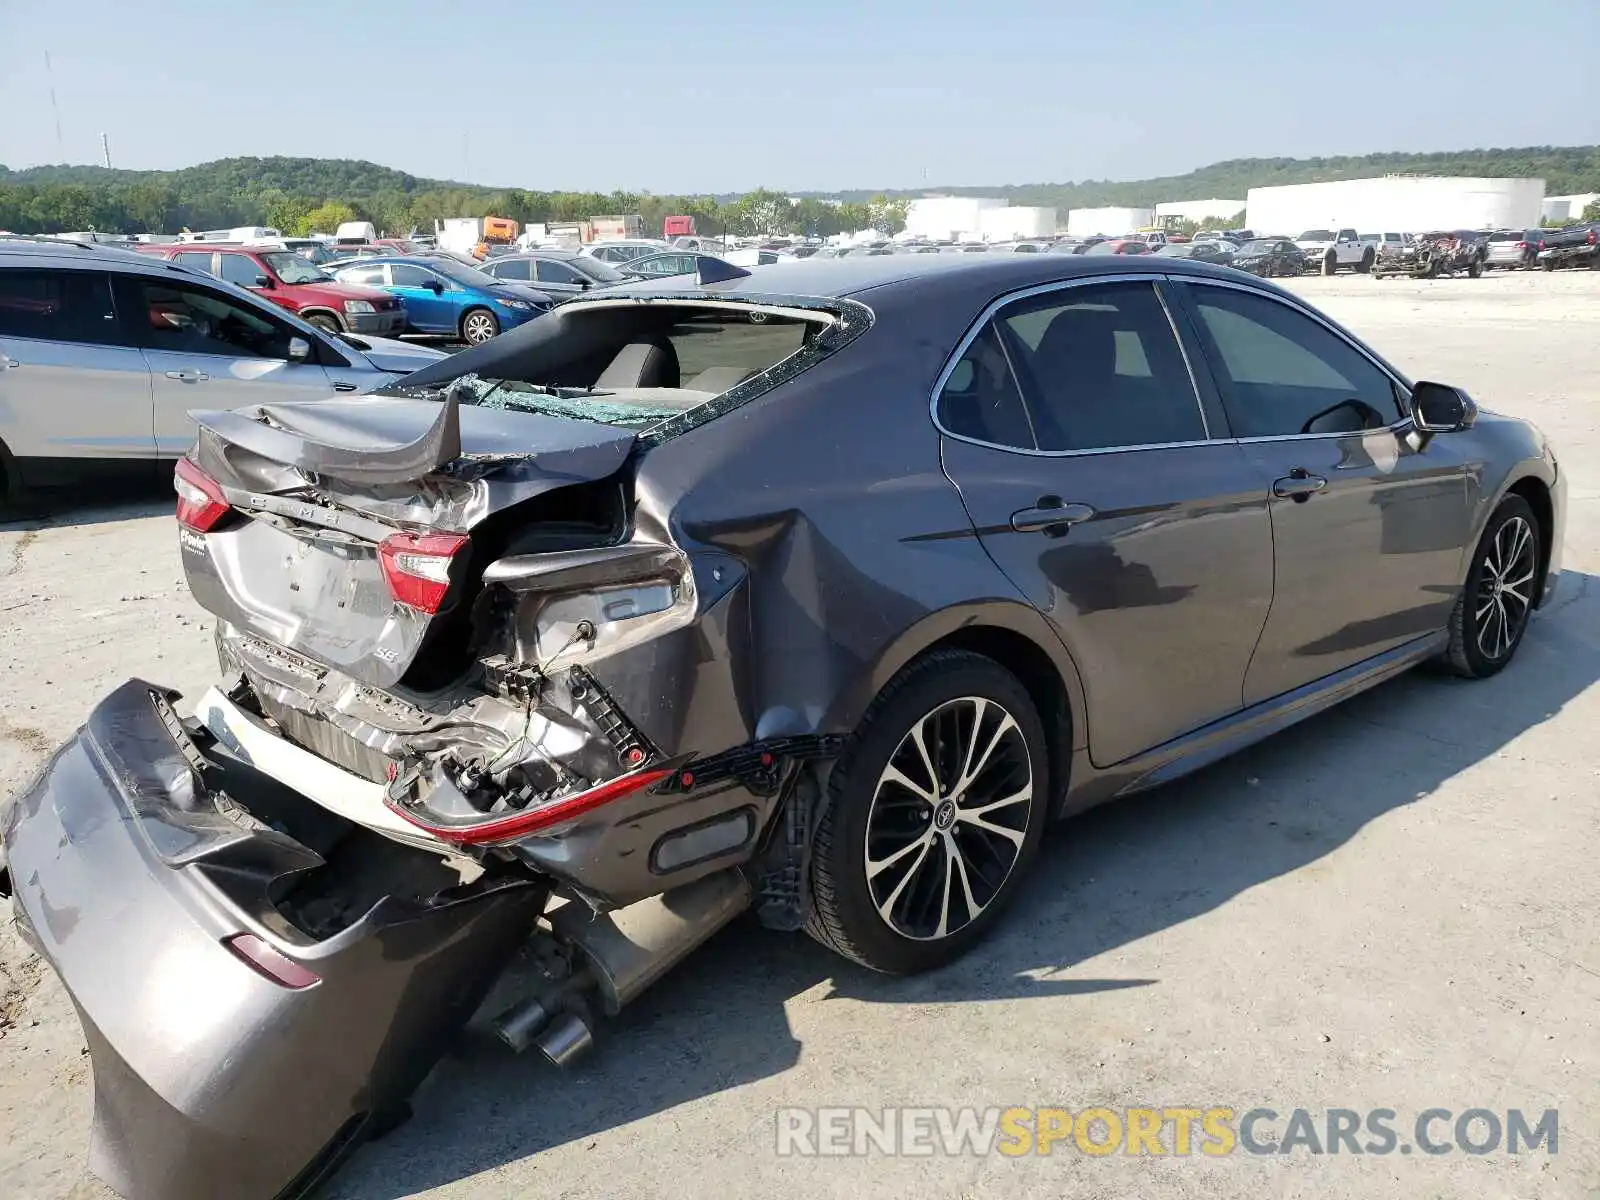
(725, 95)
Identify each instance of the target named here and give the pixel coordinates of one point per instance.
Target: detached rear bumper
(211, 1079)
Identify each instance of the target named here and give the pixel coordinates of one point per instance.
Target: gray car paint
(835, 534)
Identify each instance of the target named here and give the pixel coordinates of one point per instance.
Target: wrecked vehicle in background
(1430, 255)
(692, 598)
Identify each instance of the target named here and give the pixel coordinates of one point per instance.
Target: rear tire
(1491, 614)
(478, 325)
(918, 853)
(1367, 260)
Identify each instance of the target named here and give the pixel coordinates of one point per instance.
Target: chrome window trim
(1060, 285)
(1399, 426)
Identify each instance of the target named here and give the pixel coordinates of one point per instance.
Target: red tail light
(201, 503)
(1522, 245)
(417, 567)
(521, 825)
(282, 970)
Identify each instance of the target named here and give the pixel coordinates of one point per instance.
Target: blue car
(446, 298)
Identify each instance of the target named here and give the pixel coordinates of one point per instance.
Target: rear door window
(517, 268)
(1101, 368)
(196, 259)
(367, 276)
(58, 306)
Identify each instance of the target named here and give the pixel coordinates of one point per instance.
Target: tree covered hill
(298, 193)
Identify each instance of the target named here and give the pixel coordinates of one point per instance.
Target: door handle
(189, 376)
(1052, 516)
(344, 387)
(1298, 485)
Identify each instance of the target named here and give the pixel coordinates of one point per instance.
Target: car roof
(889, 281)
(56, 252)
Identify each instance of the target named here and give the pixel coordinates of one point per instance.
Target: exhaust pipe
(566, 1040)
(520, 1024)
(630, 948)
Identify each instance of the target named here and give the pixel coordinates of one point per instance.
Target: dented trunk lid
(317, 487)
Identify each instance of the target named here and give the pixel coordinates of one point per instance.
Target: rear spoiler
(271, 432)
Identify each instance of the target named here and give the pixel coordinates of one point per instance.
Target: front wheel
(1492, 612)
(326, 322)
(478, 326)
(1549, 264)
(1330, 265)
(1365, 266)
(1475, 270)
(936, 809)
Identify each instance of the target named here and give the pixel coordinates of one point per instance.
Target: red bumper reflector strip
(283, 971)
(520, 825)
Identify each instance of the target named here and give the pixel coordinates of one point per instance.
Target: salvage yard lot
(1389, 906)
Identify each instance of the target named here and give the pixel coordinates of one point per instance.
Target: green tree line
(304, 194)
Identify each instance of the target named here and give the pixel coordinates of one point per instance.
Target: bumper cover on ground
(211, 1080)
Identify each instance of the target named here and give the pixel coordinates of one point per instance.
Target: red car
(1119, 246)
(291, 282)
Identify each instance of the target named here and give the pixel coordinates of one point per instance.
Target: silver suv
(103, 352)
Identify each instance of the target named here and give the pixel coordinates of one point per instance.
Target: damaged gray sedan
(815, 591)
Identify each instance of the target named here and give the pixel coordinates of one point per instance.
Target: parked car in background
(1237, 236)
(1330, 250)
(445, 298)
(103, 353)
(1119, 246)
(1430, 255)
(1377, 241)
(1270, 257)
(289, 281)
(1220, 253)
(1514, 248)
(659, 266)
(623, 250)
(1574, 246)
(561, 273)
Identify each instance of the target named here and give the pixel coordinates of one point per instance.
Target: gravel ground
(1391, 905)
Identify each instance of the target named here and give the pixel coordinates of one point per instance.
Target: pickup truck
(1327, 251)
(1574, 246)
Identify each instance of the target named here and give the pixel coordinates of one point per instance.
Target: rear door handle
(344, 387)
(1298, 485)
(1052, 517)
(189, 376)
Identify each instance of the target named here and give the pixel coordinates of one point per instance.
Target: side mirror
(299, 349)
(264, 281)
(436, 286)
(1440, 408)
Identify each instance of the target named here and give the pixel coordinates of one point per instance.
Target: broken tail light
(509, 828)
(417, 567)
(201, 503)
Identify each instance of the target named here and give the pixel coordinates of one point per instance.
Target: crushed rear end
(260, 983)
(273, 917)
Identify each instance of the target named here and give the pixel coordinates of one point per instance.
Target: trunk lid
(315, 489)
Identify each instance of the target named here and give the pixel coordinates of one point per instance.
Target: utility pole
(105, 150)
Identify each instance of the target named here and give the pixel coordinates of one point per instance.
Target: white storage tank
(1403, 203)
(1567, 208)
(946, 218)
(1009, 224)
(1107, 222)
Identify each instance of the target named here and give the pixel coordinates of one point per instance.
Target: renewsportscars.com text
(1177, 1131)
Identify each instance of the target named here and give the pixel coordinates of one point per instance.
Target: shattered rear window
(658, 366)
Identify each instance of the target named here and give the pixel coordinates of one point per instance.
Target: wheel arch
(1012, 634)
(316, 310)
(1537, 493)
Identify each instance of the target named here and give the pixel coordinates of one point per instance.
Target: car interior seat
(643, 364)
